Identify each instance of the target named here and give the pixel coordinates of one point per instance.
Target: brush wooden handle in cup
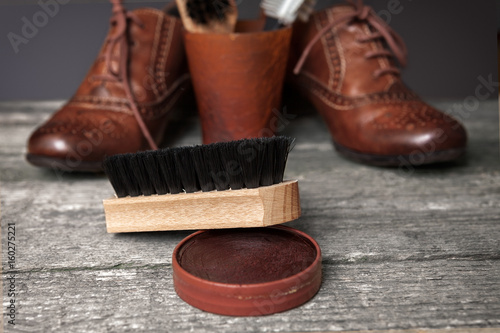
(208, 16)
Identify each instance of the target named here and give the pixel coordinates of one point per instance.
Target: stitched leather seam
(149, 113)
(155, 48)
(335, 53)
(343, 65)
(122, 105)
(150, 11)
(122, 101)
(340, 102)
(334, 56)
(159, 70)
(170, 91)
(102, 100)
(177, 83)
(91, 106)
(326, 51)
(163, 37)
(165, 51)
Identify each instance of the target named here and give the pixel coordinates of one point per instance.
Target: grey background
(451, 44)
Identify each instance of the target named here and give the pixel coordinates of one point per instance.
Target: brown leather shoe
(125, 101)
(345, 64)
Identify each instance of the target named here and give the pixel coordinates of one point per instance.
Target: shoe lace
(382, 31)
(120, 20)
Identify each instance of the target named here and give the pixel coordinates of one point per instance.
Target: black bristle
(203, 12)
(232, 167)
(168, 171)
(131, 184)
(283, 146)
(250, 157)
(154, 173)
(113, 168)
(268, 165)
(246, 163)
(184, 165)
(200, 164)
(217, 167)
(138, 164)
(121, 175)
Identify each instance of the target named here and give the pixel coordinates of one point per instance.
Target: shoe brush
(284, 12)
(221, 185)
(212, 16)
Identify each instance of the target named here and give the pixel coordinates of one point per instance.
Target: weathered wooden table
(403, 248)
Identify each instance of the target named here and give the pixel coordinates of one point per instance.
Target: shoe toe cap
(49, 144)
(416, 127)
(79, 141)
(61, 151)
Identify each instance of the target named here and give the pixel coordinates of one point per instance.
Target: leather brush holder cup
(238, 80)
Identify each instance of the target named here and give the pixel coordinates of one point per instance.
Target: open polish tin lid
(248, 271)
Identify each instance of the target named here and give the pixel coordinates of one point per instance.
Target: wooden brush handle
(245, 208)
(225, 26)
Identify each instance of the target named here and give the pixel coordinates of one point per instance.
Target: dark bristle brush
(208, 16)
(221, 185)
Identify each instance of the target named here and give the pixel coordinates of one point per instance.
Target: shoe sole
(64, 164)
(414, 160)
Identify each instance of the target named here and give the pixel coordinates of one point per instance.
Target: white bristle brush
(285, 12)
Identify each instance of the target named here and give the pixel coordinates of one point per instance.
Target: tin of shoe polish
(248, 271)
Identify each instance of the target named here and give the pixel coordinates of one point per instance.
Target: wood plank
(402, 248)
(424, 330)
(353, 296)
